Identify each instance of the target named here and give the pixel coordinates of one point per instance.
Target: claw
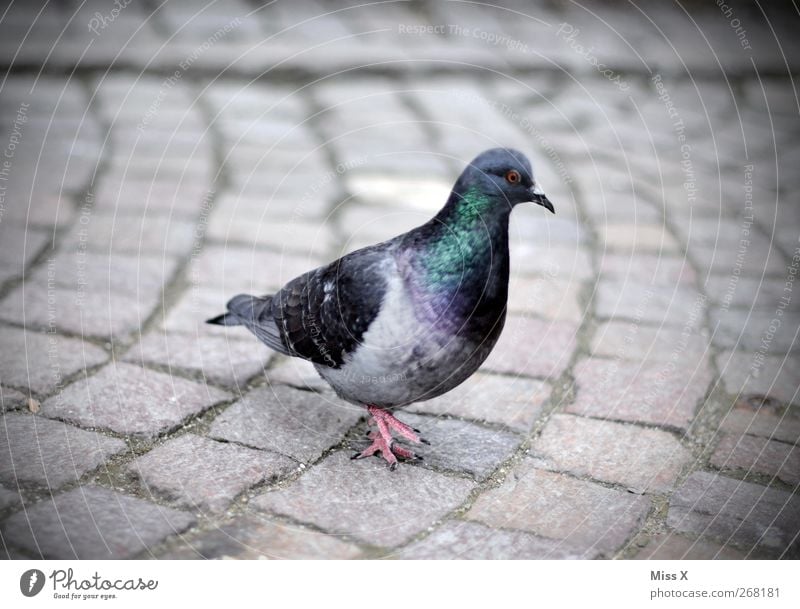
(402, 452)
(383, 442)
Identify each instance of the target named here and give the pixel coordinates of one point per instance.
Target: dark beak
(538, 197)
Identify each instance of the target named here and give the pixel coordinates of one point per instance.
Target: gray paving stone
(631, 341)
(234, 22)
(92, 522)
(269, 196)
(632, 222)
(11, 399)
(372, 503)
(285, 176)
(298, 237)
(758, 374)
(669, 546)
(656, 393)
(247, 269)
(456, 106)
(754, 331)
(460, 446)
(98, 273)
(198, 473)
(736, 512)
(513, 402)
(132, 400)
(124, 99)
(457, 540)
(529, 225)
(644, 460)
(566, 263)
(172, 165)
(41, 361)
(673, 306)
(583, 514)
(756, 259)
(709, 231)
(254, 537)
(94, 314)
(189, 314)
(46, 210)
(746, 292)
(296, 423)
(154, 235)
(49, 453)
(125, 195)
(375, 123)
(533, 347)
(255, 100)
(297, 373)
(307, 22)
(8, 498)
(220, 359)
(20, 245)
(121, 191)
(759, 455)
(280, 181)
(166, 168)
(660, 270)
(637, 238)
(375, 222)
(763, 423)
(545, 297)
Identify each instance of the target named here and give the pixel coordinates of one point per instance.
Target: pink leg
(382, 440)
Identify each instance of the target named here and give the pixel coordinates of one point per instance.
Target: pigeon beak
(538, 197)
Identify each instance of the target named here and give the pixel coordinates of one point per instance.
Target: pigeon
(411, 318)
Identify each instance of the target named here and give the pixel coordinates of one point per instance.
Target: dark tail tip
(226, 319)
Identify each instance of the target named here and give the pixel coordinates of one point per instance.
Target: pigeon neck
(468, 229)
(464, 269)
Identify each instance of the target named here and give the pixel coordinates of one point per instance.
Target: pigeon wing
(322, 315)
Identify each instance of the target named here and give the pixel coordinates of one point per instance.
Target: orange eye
(513, 177)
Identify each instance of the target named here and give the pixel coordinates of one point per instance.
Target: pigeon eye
(513, 177)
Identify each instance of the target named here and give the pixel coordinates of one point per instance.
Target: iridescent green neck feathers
(464, 234)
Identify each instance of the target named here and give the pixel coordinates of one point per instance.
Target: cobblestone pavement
(158, 159)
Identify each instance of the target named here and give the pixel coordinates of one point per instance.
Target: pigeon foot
(383, 442)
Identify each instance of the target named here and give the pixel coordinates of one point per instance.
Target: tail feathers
(226, 319)
(241, 309)
(248, 307)
(254, 313)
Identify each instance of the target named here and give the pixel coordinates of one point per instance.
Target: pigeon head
(504, 174)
